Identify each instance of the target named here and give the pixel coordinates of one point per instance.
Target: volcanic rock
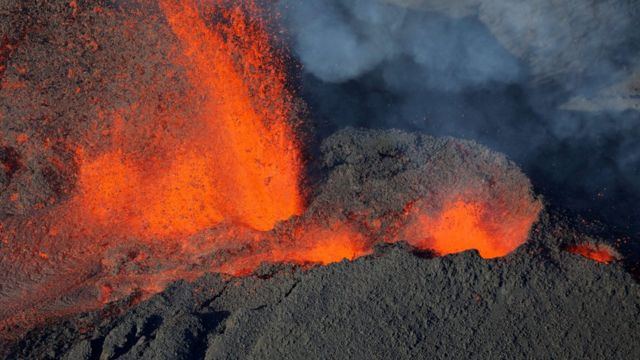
(537, 302)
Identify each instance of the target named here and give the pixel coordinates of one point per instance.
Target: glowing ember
(246, 111)
(596, 252)
(325, 245)
(302, 244)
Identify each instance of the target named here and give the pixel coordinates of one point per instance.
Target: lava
(465, 225)
(597, 252)
(306, 243)
(240, 161)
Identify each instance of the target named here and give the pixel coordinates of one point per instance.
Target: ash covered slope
(539, 301)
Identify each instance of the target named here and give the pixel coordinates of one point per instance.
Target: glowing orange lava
(304, 244)
(596, 252)
(464, 225)
(325, 245)
(239, 160)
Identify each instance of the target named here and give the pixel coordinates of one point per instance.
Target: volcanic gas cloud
(199, 167)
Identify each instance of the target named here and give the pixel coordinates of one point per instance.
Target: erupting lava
(466, 225)
(597, 252)
(212, 182)
(239, 160)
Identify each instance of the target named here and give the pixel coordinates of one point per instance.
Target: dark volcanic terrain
(539, 302)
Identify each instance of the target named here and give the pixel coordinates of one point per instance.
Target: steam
(339, 40)
(554, 84)
(342, 40)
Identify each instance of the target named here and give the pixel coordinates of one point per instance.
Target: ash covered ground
(538, 302)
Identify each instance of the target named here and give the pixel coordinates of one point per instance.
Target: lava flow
(209, 179)
(601, 253)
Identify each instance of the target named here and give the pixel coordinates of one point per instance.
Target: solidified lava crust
(145, 141)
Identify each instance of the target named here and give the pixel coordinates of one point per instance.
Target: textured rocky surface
(66, 70)
(539, 302)
(374, 184)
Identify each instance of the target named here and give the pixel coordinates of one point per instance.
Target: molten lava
(597, 252)
(239, 160)
(463, 225)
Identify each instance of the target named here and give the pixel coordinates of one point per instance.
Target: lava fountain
(238, 162)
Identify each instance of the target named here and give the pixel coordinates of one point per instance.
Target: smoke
(341, 40)
(338, 40)
(554, 84)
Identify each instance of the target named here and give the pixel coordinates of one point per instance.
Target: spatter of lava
(214, 184)
(235, 159)
(601, 253)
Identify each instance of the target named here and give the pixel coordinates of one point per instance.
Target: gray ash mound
(540, 301)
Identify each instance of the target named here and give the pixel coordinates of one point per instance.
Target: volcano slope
(539, 301)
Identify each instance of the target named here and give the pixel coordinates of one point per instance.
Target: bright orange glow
(107, 184)
(326, 246)
(189, 198)
(246, 110)
(239, 161)
(464, 226)
(596, 252)
(303, 244)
